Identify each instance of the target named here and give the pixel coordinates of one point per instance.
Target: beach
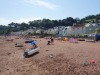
(61, 58)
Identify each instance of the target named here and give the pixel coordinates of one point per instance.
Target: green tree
(24, 26)
(97, 18)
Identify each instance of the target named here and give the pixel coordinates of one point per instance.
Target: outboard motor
(26, 53)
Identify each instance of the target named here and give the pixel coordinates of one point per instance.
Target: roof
(78, 25)
(93, 24)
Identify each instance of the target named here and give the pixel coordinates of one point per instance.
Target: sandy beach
(67, 58)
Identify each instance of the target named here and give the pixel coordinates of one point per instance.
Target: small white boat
(18, 45)
(28, 52)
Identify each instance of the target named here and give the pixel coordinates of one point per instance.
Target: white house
(17, 33)
(51, 31)
(91, 27)
(69, 30)
(65, 31)
(38, 31)
(61, 31)
(76, 29)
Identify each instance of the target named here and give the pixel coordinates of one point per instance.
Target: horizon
(19, 11)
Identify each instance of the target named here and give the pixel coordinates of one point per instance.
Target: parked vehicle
(97, 37)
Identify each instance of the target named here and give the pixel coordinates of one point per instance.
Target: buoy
(93, 61)
(65, 39)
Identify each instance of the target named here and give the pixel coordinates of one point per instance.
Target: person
(52, 40)
(34, 44)
(48, 41)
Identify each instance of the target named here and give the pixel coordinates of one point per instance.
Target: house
(61, 31)
(17, 33)
(76, 29)
(69, 30)
(38, 31)
(52, 31)
(65, 30)
(91, 27)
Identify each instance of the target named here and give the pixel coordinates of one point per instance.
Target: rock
(47, 50)
(8, 53)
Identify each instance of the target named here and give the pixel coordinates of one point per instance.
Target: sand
(62, 58)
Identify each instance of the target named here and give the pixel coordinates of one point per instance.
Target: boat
(18, 45)
(28, 52)
(28, 41)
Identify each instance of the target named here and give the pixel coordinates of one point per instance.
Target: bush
(80, 36)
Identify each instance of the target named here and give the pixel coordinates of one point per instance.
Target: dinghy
(10, 40)
(28, 52)
(28, 41)
(18, 45)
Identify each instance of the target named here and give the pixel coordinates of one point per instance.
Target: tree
(3, 29)
(60, 23)
(77, 20)
(55, 23)
(46, 23)
(69, 21)
(24, 26)
(97, 18)
(12, 24)
(90, 17)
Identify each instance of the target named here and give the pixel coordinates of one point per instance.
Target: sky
(28, 10)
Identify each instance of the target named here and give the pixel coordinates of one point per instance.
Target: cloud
(4, 21)
(42, 3)
(26, 20)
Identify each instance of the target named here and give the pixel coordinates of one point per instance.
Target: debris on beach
(85, 63)
(51, 55)
(47, 50)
